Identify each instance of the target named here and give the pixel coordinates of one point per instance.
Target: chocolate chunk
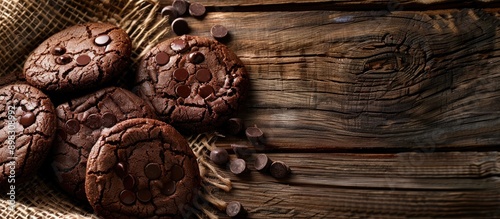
(127, 197)
(168, 187)
(241, 151)
(235, 209)
(93, 121)
(255, 136)
(152, 171)
(102, 40)
(180, 26)
(196, 9)
(180, 6)
(218, 31)
(238, 166)
(203, 75)
(196, 57)
(205, 91)
(279, 170)
(27, 119)
(58, 50)
(235, 126)
(108, 120)
(178, 45)
(183, 91)
(72, 126)
(219, 156)
(63, 60)
(83, 60)
(181, 74)
(262, 162)
(162, 58)
(144, 195)
(169, 11)
(177, 173)
(129, 182)
(121, 169)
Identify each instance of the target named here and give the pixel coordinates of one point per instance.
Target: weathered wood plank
(344, 80)
(443, 185)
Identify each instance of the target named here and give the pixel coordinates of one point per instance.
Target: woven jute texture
(24, 24)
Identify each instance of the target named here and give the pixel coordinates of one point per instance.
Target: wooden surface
(386, 113)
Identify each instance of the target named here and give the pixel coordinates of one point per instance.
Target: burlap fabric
(24, 24)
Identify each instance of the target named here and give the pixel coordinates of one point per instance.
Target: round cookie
(141, 168)
(80, 123)
(78, 58)
(27, 127)
(193, 83)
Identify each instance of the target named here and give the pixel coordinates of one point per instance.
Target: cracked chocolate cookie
(80, 57)
(141, 168)
(80, 123)
(193, 83)
(27, 126)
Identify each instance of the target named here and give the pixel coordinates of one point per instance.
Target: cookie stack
(119, 149)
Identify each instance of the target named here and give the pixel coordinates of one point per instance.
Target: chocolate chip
(83, 60)
(205, 91)
(218, 31)
(72, 126)
(262, 162)
(203, 75)
(102, 40)
(129, 182)
(108, 120)
(181, 74)
(27, 119)
(177, 173)
(235, 209)
(162, 58)
(279, 170)
(255, 136)
(63, 60)
(196, 9)
(183, 91)
(238, 166)
(196, 57)
(127, 197)
(178, 45)
(235, 125)
(152, 171)
(219, 156)
(180, 6)
(144, 195)
(93, 121)
(168, 187)
(180, 26)
(121, 169)
(170, 12)
(58, 50)
(241, 151)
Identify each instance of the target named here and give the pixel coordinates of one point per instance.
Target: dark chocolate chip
(93, 121)
(129, 182)
(196, 9)
(235, 209)
(72, 126)
(144, 195)
(108, 119)
(83, 60)
(180, 6)
(170, 12)
(58, 50)
(279, 170)
(205, 91)
(203, 75)
(218, 31)
(238, 166)
(235, 125)
(181, 74)
(255, 136)
(183, 91)
(262, 162)
(168, 187)
(27, 119)
(178, 45)
(63, 60)
(219, 156)
(177, 173)
(102, 40)
(241, 151)
(127, 197)
(196, 57)
(180, 26)
(162, 58)
(121, 169)
(152, 171)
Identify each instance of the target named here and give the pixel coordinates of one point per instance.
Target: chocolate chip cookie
(141, 168)
(193, 83)
(78, 58)
(27, 127)
(80, 123)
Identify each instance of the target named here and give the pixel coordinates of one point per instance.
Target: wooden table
(382, 109)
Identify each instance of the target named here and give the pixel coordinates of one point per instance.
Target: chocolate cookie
(80, 123)
(27, 127)
(78, 58)
(193, 83)
(141, 168)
